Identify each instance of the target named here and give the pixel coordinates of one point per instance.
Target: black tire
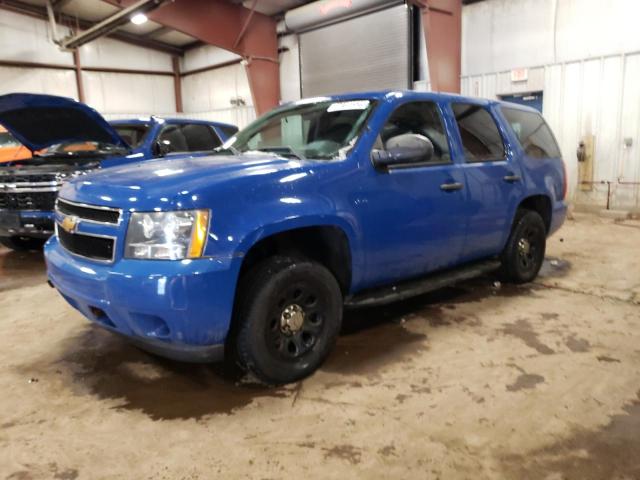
(22, 244)
(287, 318)
(524, 252)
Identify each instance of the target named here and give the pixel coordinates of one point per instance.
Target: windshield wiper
(230, 148)
(284, 151)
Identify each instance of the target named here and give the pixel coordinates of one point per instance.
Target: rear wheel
(23, 243)
(288, 317)
(524, 253)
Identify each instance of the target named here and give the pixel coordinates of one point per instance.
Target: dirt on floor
(480, 380)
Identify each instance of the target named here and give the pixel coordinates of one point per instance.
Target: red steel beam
(442, 22)
(220, 23)
(78, 69)
(177, 83)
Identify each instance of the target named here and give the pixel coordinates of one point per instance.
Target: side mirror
(404, 149)
(161, 148)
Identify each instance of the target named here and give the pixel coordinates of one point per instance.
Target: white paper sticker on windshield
(353, 105)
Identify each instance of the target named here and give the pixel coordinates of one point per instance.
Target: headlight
(167, 235)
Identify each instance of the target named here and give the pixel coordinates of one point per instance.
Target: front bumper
(177, 309)
(26, 223)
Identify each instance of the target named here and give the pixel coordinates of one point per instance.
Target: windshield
(132, 134)
(323, 129)
(8, 140)
(81, 149)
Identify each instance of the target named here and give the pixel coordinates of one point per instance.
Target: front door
(416, 220)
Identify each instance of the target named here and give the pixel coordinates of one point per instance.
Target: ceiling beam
(156, 33)
(36, 11)
(109, 24)
(232, 27)
(60, 4)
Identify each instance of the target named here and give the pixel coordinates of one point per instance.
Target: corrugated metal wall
(583, 55)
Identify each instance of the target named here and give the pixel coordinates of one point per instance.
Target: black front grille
(96, 248)
(28, 200)
(87, 212)
(28, 178)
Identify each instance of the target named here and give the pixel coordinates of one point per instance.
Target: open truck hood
(39, 121)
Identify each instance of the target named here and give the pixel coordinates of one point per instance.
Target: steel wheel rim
(528, 248)
(296, 323)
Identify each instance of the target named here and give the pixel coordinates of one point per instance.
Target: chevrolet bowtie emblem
(70, 223)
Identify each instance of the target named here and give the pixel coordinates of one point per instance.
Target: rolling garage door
(369, 52)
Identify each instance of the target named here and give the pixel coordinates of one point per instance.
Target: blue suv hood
(39, 121)
(158, 183)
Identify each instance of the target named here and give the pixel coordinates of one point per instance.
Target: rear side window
(228, 130)
(481, 139)
(189, 137)
(533, 133)
(420, 118)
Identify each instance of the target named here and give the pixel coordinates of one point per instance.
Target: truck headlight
(167, 235)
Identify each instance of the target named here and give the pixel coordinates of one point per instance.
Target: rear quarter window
(532, 132)
(228, 131)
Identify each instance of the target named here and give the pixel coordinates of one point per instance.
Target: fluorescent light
(139, 19)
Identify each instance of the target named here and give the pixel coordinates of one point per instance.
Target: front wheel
(524, 253)
(23, 243)
(288, 317)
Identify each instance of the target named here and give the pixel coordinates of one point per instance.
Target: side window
(229, 131)
(481, 139)
(173, 138)
(533, 133)
(200, 137)
(189, 137)
(421, 118)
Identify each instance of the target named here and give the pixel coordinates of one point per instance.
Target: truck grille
(28, 200)
(29, 191)
(90, 213)
(89, 246)
(28, 178)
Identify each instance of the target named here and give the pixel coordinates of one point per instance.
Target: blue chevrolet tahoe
(71, 139)
(351, 200)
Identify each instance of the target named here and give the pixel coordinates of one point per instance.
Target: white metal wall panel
(106, 52)
(25, 39)
(38, 80)
(289, 68)
(119, 92)
(498, 35)
(370, 52)
(607, 145)
(214, 89)
(629, 160)
(570, 109)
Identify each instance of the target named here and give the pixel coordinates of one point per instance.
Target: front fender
(288, 213)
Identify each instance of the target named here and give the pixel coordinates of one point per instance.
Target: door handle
(450, 187)
(512, 178)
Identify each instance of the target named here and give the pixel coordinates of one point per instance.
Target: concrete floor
(477, 381)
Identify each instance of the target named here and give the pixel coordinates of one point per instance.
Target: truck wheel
(288, 317)
(524, 253)
(22, 243)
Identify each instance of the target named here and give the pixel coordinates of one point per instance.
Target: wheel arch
(540, 204)
(328, 243)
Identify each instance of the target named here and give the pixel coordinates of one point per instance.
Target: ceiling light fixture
(139, 19)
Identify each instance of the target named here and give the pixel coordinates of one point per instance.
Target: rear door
(493, 179)
(188, 139)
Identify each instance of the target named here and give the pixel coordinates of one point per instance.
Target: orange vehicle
(10, 148)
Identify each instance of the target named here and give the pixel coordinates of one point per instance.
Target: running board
(411, 288)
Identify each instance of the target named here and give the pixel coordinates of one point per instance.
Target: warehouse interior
(481, 379)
